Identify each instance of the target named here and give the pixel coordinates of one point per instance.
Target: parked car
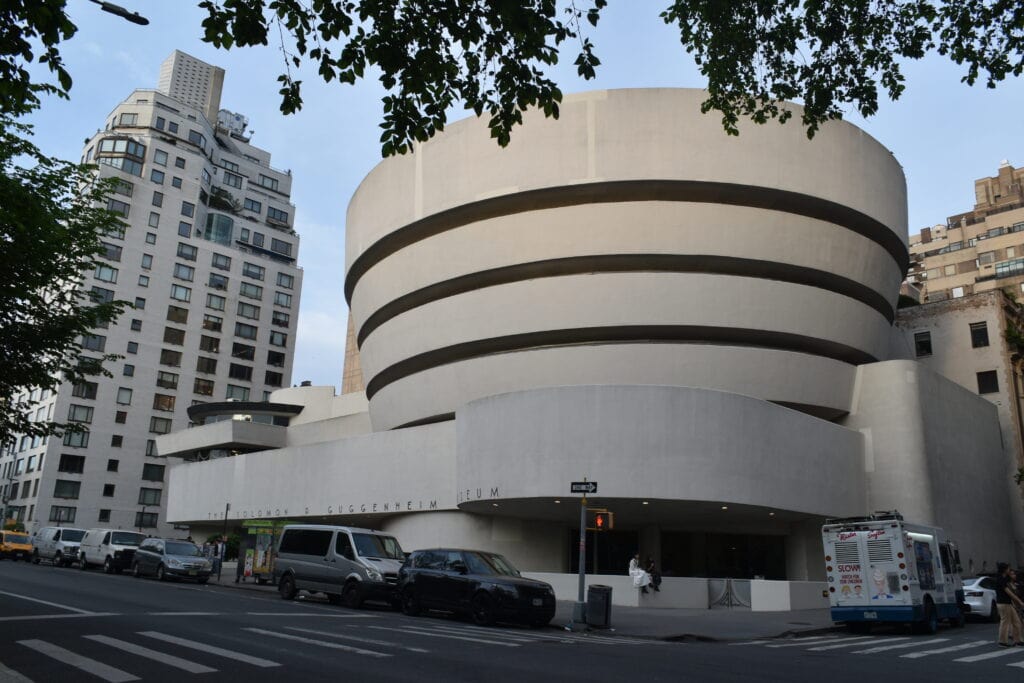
(166, 558)
(484, 585)
(58, 544)
(111, 548)
(15, 545)
(980, 597)
(349, 564)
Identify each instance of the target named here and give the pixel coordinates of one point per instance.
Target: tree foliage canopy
(829, 55)
(53, 218)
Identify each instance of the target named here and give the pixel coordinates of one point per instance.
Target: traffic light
(603, 521)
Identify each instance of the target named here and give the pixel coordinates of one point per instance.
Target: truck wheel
(930, 624)
(350, 595)
(108, 566)
(287, 587)
(82, 564)
(58, 559)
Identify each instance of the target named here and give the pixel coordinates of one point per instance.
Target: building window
(160, 157)
(124, 396)
(203, 387)
(145, 520)
(133, 347)
(72, 464)
(118, 207)
(112, 465)
(243, 236)
(282, 299)
(108, 490)
(212, 323)
(116, 440)
(77, 413)
(278, 338)
(221, 261)
(173, 335)
(252, 270)
(59, 513)
(237, 393)
(957, 292)
(184, 229)
(979, 335)
(65, 488)
(245, 331)
(76, 439)
(101, 295)
(949, 270)
(180, 293)
(128, 370)
(157, 176)
(197, 138)
(242, 372)
(150, 446)
(151, 237)
(152, 472)
(160, 122)
(136, 325)
(273, 379)
(176, 182)
(129, 119)
(187, 251)
(176, 314)
(243, 351)
(84, 390)
(252, 205)
(277, 215)
(163, 402)
(988, 382)
(179, 162)
(105, 273)
(268, 182)
(922, 344)
(207, 178)
(140, 303)
(188, 209)
(143, 281)
(209, 344)
(275, 359)
(111, 252)
(232, 179)
(285, 281)
(206, 365)
(104, 516)
(171, 358)
(248, 311)
(147, 262)
(257, 239)
(218, 281)
(94, 342)
(160, 425)
(166, 380)
(183, 272)
(215, 302)
(280, 319)
(247, 289)
(121, 417)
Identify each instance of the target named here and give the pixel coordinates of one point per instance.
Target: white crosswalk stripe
(1001, 652)
(209, 649)
(805, 642)
(854, 642)
(534, 636)
(431, 634)
(357, 639)
(162, 657)
(899, 646)
(320, 643)
(944, 650)
(90, 666)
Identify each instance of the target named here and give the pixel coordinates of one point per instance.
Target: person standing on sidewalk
(641, 579)
(1007, 603)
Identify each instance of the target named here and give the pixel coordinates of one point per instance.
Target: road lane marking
(943, 650)
(1001, 652)
(369, 641)
(320, 643)
(1017, 664)
(492, 633)
(30, 617)
(184, 614)
(162, 657)
(11, 676)
(900, 646)
(209, 649)
(45, 602)
(853, 642)
(804, 642)
(530, 636)
(431, 634)
(311, 614)
(90, 666)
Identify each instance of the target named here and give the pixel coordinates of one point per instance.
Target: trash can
(599, 606)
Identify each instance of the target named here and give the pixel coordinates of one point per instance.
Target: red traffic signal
(603, 521)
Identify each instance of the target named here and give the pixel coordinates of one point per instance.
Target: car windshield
(72, 535)
(378, 547)
(126, 538)
(182, 548)
(16, 538)
(488, 563)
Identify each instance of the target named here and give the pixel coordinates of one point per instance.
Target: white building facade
(702, 324)
(208, 260)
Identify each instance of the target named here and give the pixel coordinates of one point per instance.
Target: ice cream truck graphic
(880, 568)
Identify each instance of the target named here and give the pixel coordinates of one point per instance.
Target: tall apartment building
(975, 251)
(208, 258)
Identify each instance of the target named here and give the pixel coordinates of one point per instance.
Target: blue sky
(944, 133)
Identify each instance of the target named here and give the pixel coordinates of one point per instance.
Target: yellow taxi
(15, 545)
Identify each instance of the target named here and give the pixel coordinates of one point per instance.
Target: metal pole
(579, 617)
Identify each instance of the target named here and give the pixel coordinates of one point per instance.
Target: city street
(56, 623)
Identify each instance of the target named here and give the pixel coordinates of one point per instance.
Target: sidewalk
(662, 624)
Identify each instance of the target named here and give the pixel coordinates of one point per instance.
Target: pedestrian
(1007, 603)
(217, 555)
(641, 579)
(655, 575)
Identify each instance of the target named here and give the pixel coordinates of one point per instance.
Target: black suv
(484, 585)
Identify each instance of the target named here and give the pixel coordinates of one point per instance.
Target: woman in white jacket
(641, 579)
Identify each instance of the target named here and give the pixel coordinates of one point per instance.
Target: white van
(111, 548)
(350, 565)
(58, 544)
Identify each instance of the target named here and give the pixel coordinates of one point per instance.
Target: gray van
(350, 565)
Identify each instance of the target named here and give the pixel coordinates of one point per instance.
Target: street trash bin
(599, 606)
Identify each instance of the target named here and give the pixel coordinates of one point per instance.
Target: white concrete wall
(676, 592)
(784, 596)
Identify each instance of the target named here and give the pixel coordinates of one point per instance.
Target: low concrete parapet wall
(784, 596)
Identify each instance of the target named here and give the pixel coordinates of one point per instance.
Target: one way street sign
(584, 487)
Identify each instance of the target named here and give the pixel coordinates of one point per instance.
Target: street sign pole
(579, 613)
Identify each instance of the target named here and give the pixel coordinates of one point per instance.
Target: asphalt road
(64, 624)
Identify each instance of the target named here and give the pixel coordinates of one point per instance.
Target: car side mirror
(459, 567)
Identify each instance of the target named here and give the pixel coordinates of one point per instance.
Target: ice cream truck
(880, 568)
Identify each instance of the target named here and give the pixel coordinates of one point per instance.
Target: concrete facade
(700, 323)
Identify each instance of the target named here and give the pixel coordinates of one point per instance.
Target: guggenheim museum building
(700, 323)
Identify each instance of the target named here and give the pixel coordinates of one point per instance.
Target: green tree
(53, 218)
(490, 56)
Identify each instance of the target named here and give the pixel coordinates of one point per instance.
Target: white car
(980, 596)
